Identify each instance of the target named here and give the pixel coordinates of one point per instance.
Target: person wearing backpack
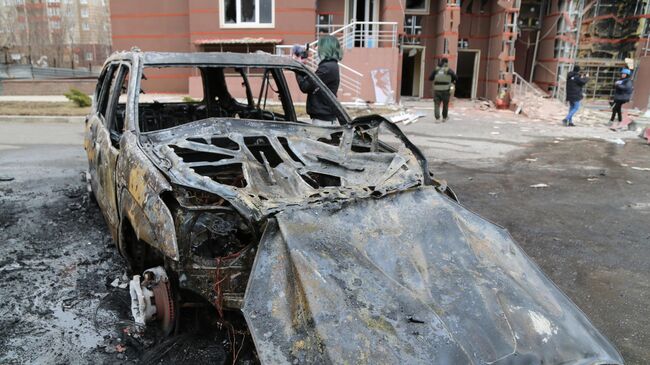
(443, 79)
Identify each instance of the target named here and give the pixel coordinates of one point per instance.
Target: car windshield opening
(170, 96)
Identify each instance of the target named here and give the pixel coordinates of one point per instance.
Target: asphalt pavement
(586, 225)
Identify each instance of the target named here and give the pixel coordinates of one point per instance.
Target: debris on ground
(484, 104)
(617, 141)
(539, 186)
(120, 283)
(6, 178)
(405, 117)
(641, 168)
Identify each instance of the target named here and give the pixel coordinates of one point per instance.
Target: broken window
(115, 111)
(247, 12)
(324, 24)
(105, 92)
(215, 92)
(412, 29)
(417, 6)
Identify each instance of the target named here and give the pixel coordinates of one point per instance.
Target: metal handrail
(353, 34)
(521, 85)
(350, 82)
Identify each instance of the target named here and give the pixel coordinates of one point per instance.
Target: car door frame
(106, 150)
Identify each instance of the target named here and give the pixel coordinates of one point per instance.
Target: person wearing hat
(321, 111)
(622, 93)
(443, 78)
(574, 84)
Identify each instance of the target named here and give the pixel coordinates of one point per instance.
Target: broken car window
(107, 86)
(117, 104)
(254, 93)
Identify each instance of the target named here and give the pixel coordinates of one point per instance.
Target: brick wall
(45, 87)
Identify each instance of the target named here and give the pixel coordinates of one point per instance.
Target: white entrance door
(363, 12)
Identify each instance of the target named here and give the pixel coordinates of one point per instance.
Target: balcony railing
(367, 34)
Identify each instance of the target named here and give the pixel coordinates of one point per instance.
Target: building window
(83, 1)
(412, 29)
(324, 24)
(53, 11)
(55, 24)
(417, 6)
(84, 13)
(85, 26)
(247, 13)
(89, 56)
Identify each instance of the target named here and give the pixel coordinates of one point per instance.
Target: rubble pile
(537, 107)
(588, 116)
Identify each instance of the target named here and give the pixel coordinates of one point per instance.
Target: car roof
(207, 58)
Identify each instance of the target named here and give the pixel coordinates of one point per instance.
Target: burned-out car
(336, 243)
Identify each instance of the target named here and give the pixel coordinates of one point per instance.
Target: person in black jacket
(319, 108)
(622, 93)
(574, 84)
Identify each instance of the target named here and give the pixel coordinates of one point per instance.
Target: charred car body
(335, 242)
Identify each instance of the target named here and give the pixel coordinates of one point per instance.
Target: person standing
(574, 84)
(622, 93)
(319, 108)
(443, 78)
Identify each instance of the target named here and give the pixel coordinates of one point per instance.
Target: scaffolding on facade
(566, 42)
(611, 33)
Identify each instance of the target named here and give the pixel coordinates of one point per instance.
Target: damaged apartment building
(392, 46)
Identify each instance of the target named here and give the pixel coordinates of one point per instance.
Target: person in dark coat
(622, 93)
(443, 79)
(574, 84)
(319, 108)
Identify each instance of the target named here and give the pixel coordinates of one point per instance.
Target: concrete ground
(587, 229)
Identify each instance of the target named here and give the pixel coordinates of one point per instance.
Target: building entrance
(467, 72)
(412, 71)
(362, 12)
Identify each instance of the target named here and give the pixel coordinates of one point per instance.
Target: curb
(41, 118)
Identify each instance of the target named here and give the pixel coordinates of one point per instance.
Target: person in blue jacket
(622, 93)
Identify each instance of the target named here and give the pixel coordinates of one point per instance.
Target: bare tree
(8, 30)
(64, 33)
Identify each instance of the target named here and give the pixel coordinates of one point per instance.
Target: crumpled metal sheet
(273, 188)
(409, 278)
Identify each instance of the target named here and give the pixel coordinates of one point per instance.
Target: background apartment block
(55, 33)
(391, 46)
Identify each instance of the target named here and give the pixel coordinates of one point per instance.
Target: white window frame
(257, 24)
(85, 26)
(427, 9)
(84, 13)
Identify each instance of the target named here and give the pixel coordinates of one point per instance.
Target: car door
(107, 128)
(94, 122)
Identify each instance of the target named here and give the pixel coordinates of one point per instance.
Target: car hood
(262, 167)
(410, 278)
